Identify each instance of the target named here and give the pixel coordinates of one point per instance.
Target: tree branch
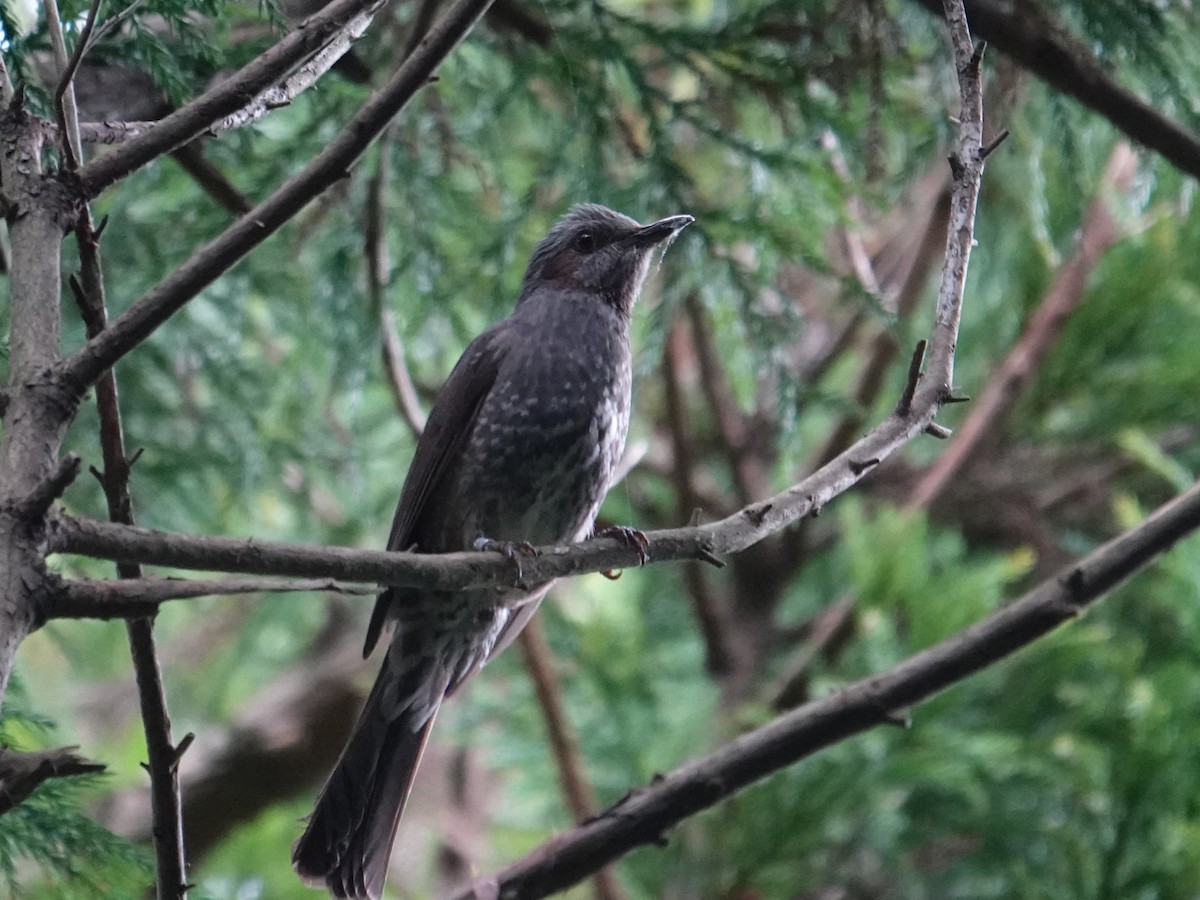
(64, 94)
(882, 351)
(645, 815)
(325, 169)
(710, 616)
(378, 265)
(1099, 232)
(125, 598)
(21, 773)
(161, 752)
(1041, 47)
(230, 96)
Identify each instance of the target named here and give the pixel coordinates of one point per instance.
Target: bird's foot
(510, 550)
(631, 538)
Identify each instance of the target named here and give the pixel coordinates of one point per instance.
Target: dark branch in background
(21, 773)
(1100, 231)
(379, 273)
(645, 816)
(1037, 44)
(65, 109)
(512, 16)
(709, 614)
(749, 476)
(211, 180)
(828, 629)
(230, 95)
(564, 745)
(324, 170)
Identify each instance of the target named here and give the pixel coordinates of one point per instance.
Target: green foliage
(49, 846)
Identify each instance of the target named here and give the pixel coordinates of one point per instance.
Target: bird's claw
(631, 538)
(510, 550)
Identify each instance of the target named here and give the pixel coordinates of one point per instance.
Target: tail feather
(349, 836)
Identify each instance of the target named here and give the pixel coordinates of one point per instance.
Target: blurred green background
(792, 130)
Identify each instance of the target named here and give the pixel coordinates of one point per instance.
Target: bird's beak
(657, 232)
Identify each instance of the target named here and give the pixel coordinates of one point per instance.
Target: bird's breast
(547, 440)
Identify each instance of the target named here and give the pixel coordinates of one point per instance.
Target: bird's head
(599, 251)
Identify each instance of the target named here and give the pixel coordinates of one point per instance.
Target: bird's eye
(585, 241)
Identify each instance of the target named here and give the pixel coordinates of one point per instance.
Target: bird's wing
(450, 421)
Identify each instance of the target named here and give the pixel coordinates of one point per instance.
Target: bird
(519, 449)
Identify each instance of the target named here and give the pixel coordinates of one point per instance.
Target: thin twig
(883, 348)
(378, 266)
(747, 470)
(829, 627)
(211, 180)
(161, 753)
(324, 170)
(851, 234)
(127, 598)
(64, 94)
(1099, 232)
(710, 617)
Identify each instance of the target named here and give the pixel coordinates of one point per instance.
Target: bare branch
(21, 773)
(127, 598)
(112, 132)
(211, 180)
(161, 752)
(404, 392)
(645, 815)
(883, 348)
(230, 96)
(747, 471)
(328, 167)
(718, 654)
(64, 94)
(308, 75)
(828, 628)
(1099, 232)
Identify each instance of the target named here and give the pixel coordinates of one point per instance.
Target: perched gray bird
(520, 448)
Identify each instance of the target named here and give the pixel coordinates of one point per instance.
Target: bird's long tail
(349, 836)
